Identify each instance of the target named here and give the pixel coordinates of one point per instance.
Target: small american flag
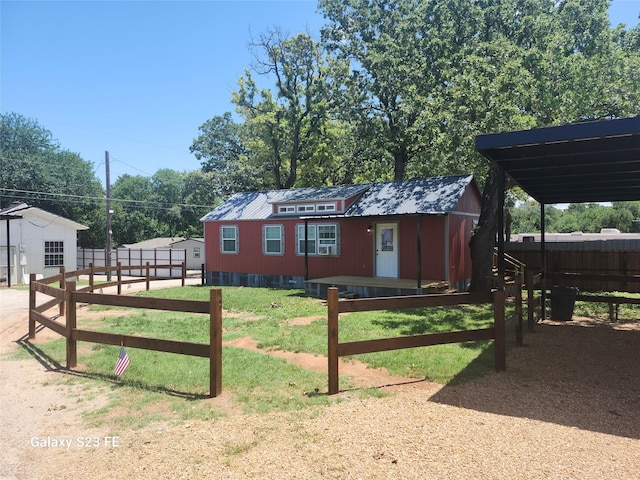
(123, 362)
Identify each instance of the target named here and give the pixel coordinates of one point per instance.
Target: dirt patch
(304, 320)
(363, 375)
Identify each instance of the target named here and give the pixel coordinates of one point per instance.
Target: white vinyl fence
(129, 257)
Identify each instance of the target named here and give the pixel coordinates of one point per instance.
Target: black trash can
(563, 300)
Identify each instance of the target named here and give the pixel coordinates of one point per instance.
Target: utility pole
(107, 258)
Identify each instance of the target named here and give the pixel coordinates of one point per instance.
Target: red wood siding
(356, 246)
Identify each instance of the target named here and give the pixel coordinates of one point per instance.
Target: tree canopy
(34, 169)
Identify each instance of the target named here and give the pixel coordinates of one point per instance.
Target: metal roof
(583, 162)
(422, 195)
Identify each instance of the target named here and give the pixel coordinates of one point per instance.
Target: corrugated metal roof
(423, 195)
(576, 163)
(420, 195)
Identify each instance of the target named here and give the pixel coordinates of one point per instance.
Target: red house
(372, 239)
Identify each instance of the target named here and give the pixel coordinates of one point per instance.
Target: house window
(311, 239)
(53, 254)
(306, 208)
(196, 252)
(326, 207)
(286, 209)
(322, 239)
(228, 239)
(273, 240)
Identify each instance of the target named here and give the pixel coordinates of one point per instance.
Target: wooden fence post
(32, 306)
(215, 342)
(63, 279)
(72, 344)
(91, 279)
(332, 320)
(519, 323)
(499, 343)
(184, 272)
(119, 272)
(148, 276)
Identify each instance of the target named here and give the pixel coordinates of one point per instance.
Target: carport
(596, 161)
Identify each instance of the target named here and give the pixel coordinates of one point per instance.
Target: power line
(151, 203)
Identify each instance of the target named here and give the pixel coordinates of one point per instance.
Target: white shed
(33, 240)
(194, 248)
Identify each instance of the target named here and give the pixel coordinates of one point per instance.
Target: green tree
(133, 204)
(430, 76)
(284, 124)
(220, 147)
(35, 169)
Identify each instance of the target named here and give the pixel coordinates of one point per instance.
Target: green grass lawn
(257, 381)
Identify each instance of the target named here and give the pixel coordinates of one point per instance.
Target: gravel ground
(568, 407)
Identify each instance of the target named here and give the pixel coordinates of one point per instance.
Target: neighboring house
(39, 242)
(194, 249)
(159, 242)
(414, 229)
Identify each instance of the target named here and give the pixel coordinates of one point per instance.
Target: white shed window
(53, 254)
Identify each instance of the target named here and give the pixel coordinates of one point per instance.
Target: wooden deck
(374, 286)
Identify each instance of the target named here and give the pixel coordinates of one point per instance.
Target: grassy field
(256, 381)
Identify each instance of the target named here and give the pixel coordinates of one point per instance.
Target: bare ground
(568, 407)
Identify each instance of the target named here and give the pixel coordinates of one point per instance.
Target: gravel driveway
(568, 407)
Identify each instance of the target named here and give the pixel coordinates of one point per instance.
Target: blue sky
(139, 78)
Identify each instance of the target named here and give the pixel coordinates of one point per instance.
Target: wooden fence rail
(69, 297)
(336, 307)
(538, 282)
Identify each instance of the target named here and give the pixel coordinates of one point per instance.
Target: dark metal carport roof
(583, 162)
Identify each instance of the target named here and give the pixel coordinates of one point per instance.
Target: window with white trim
(196, 252)
(286, 209)
(311, 239)
(306, 208)
(53, 254)
(326, 207)
(322, 239)
(229, 239)
(273, 239)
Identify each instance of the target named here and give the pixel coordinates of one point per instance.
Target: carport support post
(501, 264)
(499, 343)
(543, 265)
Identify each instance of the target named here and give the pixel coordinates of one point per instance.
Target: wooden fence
(602, 270)
(582, 281)
(140, 273)
(336, 307)
(67, 297)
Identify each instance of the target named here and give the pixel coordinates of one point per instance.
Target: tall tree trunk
(483, 241)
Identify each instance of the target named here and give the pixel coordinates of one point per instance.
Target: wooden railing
(537, 282)
(68, 298)
(336, 307)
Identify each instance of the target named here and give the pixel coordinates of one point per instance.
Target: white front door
(387, 250)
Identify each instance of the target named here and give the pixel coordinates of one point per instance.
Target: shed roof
(20, 210)
(423, 195)
(583, 162)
